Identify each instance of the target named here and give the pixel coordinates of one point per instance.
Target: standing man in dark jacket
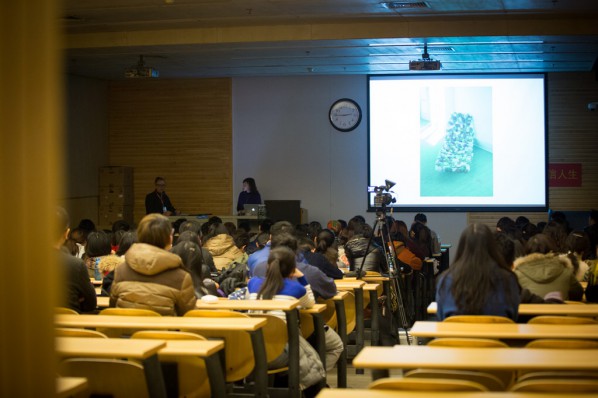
(80, 294)
(158, 202)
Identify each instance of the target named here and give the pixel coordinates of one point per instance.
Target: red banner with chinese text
(564, 175)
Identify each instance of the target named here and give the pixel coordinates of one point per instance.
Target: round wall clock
(345, 114)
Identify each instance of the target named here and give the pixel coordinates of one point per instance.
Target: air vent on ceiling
(402, 5)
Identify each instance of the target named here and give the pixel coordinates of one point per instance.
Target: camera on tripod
(382, 193)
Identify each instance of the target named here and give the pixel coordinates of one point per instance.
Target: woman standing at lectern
(249, 195)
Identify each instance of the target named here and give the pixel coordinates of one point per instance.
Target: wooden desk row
(250, 325)
(547, 309)
(382, 359)
(523, 331)
(147, 351)
(361, 393)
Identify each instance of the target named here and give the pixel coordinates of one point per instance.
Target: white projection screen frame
(459, 142)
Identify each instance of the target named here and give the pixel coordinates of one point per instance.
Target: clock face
(345, 114)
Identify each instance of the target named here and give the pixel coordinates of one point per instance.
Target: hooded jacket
(545, 273)
(152, 278)
(355, 249)
(223, 250)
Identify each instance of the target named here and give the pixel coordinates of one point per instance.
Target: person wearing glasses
(158, 201)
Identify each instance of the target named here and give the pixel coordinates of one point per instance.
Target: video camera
(382, 193)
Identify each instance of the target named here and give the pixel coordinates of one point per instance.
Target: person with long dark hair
(479, 282)
(249, 195)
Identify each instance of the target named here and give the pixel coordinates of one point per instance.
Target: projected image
(456, 141)
(459, 142)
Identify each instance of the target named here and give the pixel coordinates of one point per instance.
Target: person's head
(355, 221)
(116, 236)
(189, 236)
(325, 240)
(528, 230)
(98, 244)
(215, 230)
(62, 226)
(506, 247)
(313, 229)
(578, 242)
(230, 227)
(125, 242)
(241, 239)
(505, 224)
(244, 226)
(539, 243)
(421, 218)
(305, 244)
(190, 225)
(476, 270)
(155, 229)
(420, 233)
(521, 222)
(281, 264)
(87, 225)
(284, 239)
(593, 218)
(249, 185)
(160, 184)
(120, 225)
(281, 227)
(78, 235)
(261, 239)
(190, 253)
(557, 232)
(265, 225)
(335, 226)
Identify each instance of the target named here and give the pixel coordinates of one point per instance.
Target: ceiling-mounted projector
(425, 63)
(140, 70)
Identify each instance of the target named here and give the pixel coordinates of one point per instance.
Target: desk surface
(503, 330)
(361, 393)
(547, 309)
(70, 386)
(316, 309)
(103, 301)
(475, 358)
(349, 284)
(158, 322)
(98, 347)
(199, 348)
(257, 305)
(95, 282)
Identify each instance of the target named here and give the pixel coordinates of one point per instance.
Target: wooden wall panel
(572, 138)
(180, 130)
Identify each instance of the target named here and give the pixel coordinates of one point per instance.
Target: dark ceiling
(218, 38)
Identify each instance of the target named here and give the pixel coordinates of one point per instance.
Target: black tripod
(396, 294)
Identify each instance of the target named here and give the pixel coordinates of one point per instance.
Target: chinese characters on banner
(564, 175)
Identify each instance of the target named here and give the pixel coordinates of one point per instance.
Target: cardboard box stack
(116, 195)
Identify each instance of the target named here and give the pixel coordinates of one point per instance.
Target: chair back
(350, 311)
(76, 332)
(275, 334)
(414, 384)
(569, 344)
(558, 374)
(563, 386)
(115, 332)
(505, 376)
(329, 313)
(561, 320)
(129, 312)
(238, 350)
(108, 377)
(65, 310)
(478, 319)
(193, 378)
(491, 382)
(466, 342)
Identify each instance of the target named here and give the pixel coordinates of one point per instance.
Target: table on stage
(547, 309)
(522, 331)
(381, 359)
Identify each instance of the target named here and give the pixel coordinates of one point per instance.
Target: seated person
(151, 277)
